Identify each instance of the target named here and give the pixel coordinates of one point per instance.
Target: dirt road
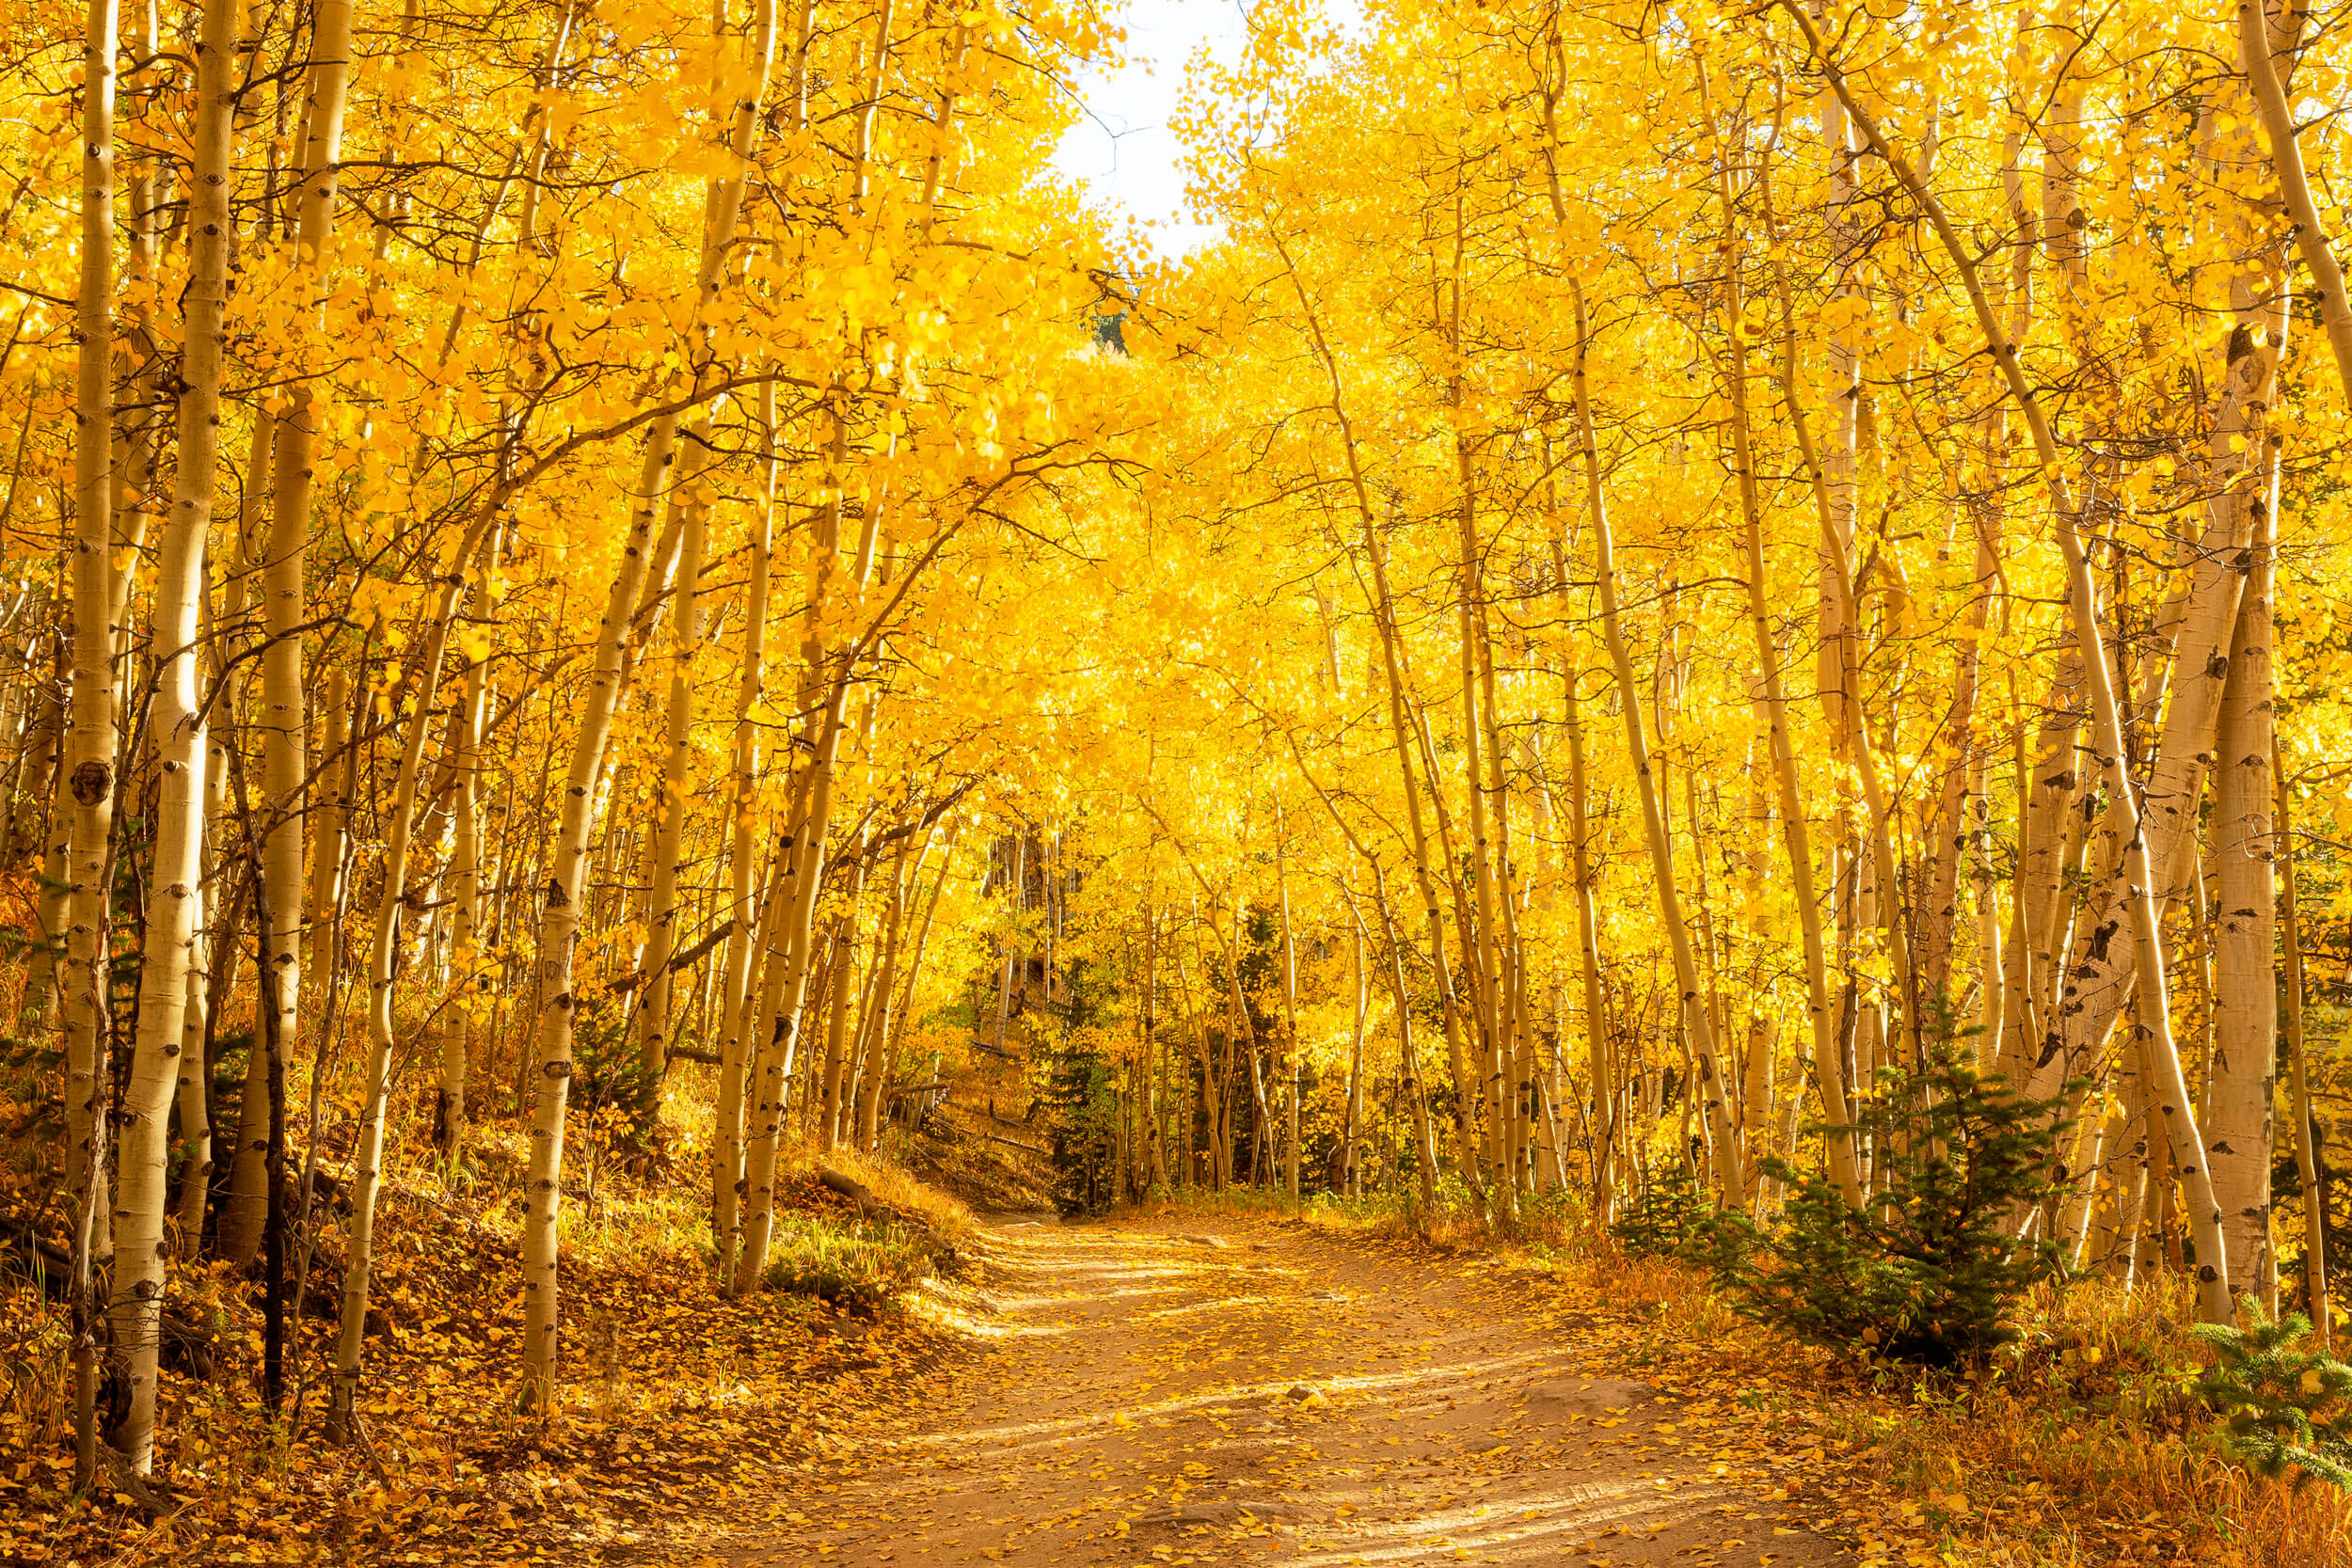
(1230, 1391)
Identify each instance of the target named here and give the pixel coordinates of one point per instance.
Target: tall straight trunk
(726, 1143)
(2245, 1021)
(464, 890)
(840, 1005)
(668, 839)
(748, 1056)
(1601, 1065)
(1690, 991)
(2140, 873)
(284, 754)
(174, 902)
(90, 745)
(1352, 1130)
(238, 1239)
(1514, 1037)
(2306, 1169)
(2237, 1120)
(1290, 1010)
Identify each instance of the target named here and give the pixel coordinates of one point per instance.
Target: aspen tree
(2307, 1168)
(2260, 38)
(90, 745)
(285, 759)
(174, 903)
(1775, 705)
(560, 918)
(2139, 872)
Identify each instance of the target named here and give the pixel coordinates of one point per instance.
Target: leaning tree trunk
(1692, 993)
(559, 925)
(391, 897)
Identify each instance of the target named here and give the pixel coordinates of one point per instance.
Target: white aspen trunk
(2299, 1097)
(238, 1238)
(669, 834)
(726, 1142)
(2240, 1086)
(2141, 870)
(90, 745)
(174, 901)
(559, 927)
(463, 885)
(284, 753)
(746, 1052)
(2237, 1123)
(785, 995)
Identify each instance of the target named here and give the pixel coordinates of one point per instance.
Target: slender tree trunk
(91, 749)
(669, 827)
(1693, 995)
(284, 754)
(2245, 1013)
(463, 885)
(174, 901)
(2315, 1196)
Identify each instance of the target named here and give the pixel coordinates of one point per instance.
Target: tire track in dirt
(1226, 1391)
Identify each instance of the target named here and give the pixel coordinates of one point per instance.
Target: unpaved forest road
(1141, 1406)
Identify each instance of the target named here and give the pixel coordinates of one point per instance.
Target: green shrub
(2283, 1409)
(1927, 1268)
(1673, 1218)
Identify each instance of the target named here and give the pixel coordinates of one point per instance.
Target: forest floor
(1225, 1389)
